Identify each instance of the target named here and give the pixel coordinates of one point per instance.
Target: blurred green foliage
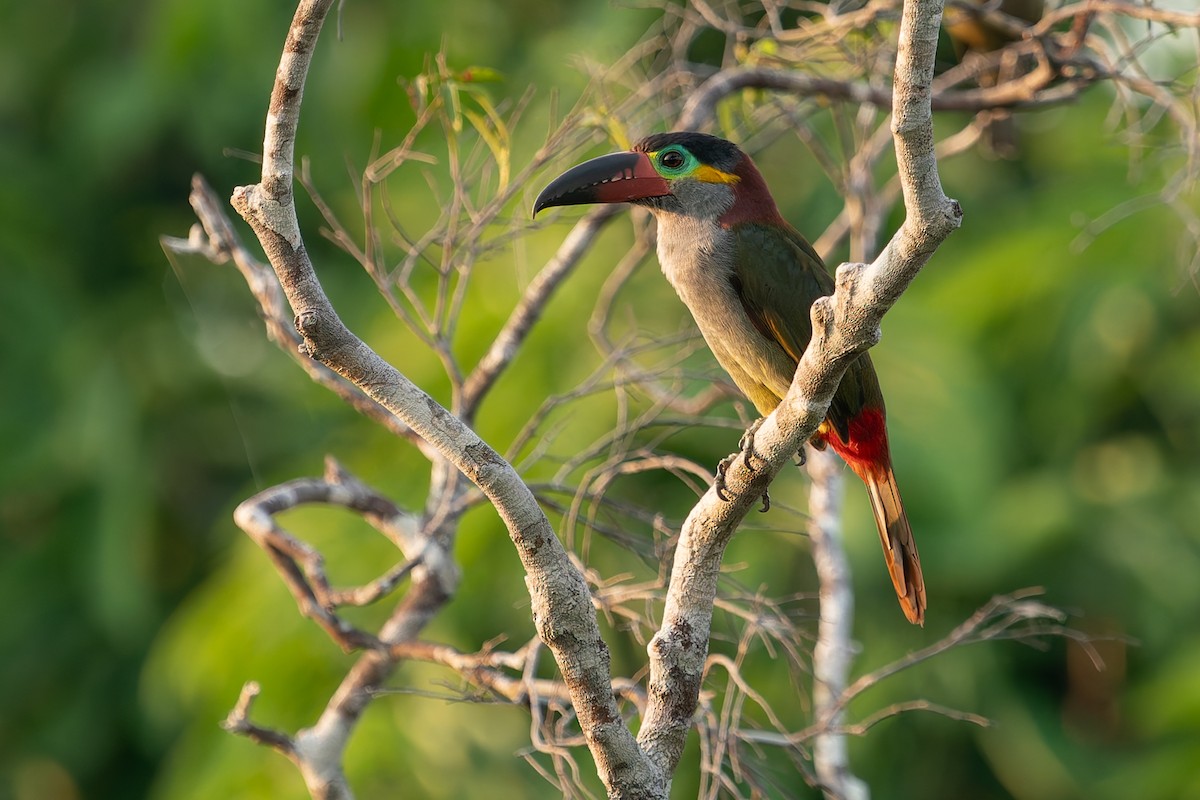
(1044, 401)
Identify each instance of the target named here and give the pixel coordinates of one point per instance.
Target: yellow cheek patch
(713, 175)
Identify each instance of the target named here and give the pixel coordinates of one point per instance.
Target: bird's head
(687, 173)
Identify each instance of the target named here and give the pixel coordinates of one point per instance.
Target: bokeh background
(1043, 387)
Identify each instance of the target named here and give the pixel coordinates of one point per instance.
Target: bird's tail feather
(899, 547)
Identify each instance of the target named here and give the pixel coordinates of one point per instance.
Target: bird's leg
(746, 448)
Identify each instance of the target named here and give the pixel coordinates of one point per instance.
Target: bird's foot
(801, 457)
(719, 478)
(746, 444)
(746, 448)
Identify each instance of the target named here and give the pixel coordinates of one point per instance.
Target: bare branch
(1044, 64)
(834, 650)
(1034, 89)
(562, 610)
(216, 239)
(527, 312)
(895, 709)
(1010, 616)
(486, 670)
(1124, 8)
(239, 722)
(843, 326)
(321, 767)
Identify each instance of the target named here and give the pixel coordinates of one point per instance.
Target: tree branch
(843, 326)
(215, 238)
(834, 650)
(486, 670)
(566, 594)
(529, 309)
(562, 610)
(238, 722)
(303, 568)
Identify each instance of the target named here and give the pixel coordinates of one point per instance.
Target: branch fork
(563, 609)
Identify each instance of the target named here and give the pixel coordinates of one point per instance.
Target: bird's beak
(615, 178)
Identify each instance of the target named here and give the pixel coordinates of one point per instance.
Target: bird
(749, 280)
(972, 32)
(970, 28)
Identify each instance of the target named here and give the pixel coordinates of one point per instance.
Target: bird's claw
(719, 478)
(801, 456)
(746, 448)
(746, 444)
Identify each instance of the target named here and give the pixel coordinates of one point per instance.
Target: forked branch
(843, 326)
(562, 608)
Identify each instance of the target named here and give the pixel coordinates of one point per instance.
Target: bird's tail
(899, 547)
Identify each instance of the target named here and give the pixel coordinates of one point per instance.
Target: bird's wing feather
(777, 277)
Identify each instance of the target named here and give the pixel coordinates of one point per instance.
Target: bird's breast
(697, 257)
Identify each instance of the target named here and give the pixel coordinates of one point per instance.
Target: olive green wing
(778, 276)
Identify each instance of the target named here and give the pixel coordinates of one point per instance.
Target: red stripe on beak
(615, 178)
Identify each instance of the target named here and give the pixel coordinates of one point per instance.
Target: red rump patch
(867, 450)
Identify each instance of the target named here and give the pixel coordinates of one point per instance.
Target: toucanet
(750, 279)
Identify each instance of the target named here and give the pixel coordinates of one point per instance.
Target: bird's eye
(672, 159)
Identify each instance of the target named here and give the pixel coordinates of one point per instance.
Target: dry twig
(1048, 63)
